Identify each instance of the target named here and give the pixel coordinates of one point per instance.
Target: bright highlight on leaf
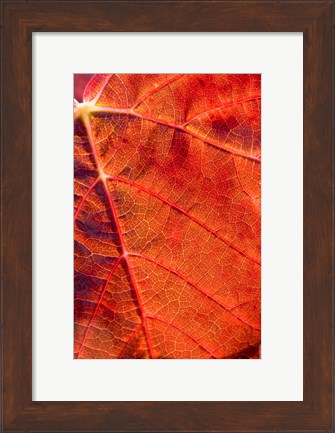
(167, 216)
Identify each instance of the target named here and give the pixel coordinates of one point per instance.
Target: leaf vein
(175, 206)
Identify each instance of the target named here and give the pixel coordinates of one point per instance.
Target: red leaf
(167, 217)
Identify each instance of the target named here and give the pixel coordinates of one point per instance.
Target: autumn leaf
(167, 217)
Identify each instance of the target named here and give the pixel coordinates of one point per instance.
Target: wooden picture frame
(19, 20)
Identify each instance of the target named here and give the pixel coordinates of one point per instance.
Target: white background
(279, 374)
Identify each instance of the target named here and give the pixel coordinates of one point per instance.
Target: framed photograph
(167, 239)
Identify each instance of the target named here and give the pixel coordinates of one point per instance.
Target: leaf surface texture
(167, 217)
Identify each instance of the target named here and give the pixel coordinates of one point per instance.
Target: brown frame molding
(19, 20)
